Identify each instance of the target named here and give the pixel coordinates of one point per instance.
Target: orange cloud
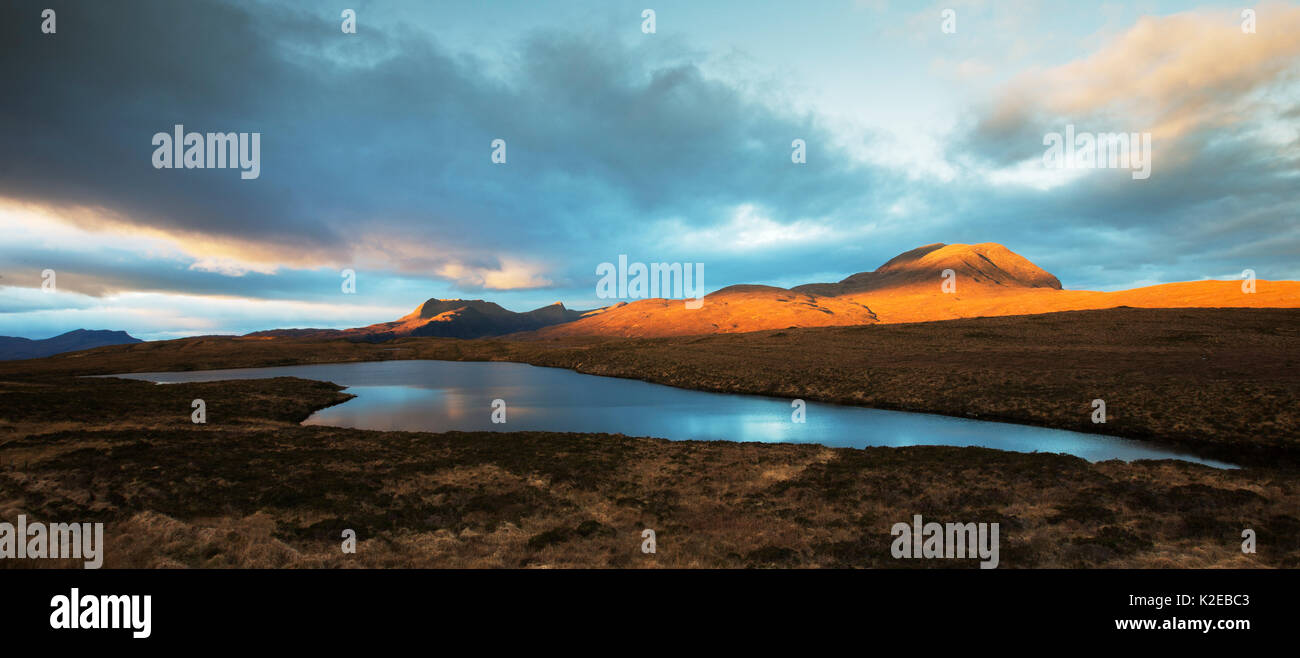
(1170, 75)
(94, 228)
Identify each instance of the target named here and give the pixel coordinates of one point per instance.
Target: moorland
(254, 488)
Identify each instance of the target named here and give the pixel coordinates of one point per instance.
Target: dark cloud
(378, 143)
(385, 136)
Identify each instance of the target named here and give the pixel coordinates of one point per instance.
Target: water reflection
(439, 396)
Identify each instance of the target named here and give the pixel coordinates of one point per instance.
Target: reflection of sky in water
(438, 396)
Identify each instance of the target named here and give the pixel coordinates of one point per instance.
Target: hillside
(466, 318)
(990, 280)
(13, 347)
(444, 318)
(986, 264)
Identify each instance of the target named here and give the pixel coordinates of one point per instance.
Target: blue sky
(672, 146)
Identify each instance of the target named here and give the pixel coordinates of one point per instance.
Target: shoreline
(1185, 456)
(253, 489)
(1218, 384)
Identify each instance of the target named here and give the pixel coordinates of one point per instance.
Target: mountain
(986, 264)
(990, 279)
(732, 309)
(13, 347)
(445, 318)
(466, 318)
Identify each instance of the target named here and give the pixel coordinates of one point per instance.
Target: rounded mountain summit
(988, 280)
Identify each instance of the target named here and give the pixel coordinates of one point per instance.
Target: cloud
(1224, 155)
(510, 275)
(376, 148)
(749, 229)
(1173, 76)
(380, 141)
(156, 316)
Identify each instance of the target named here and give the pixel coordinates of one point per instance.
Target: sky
(919, 125)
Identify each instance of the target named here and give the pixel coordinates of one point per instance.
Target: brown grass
(1218, 382)
(255, 489)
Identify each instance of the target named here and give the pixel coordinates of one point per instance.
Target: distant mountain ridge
(14, 347)
(446, 318)
(989, 279)
(467, 318)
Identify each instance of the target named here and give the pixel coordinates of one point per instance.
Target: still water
(437, 396)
